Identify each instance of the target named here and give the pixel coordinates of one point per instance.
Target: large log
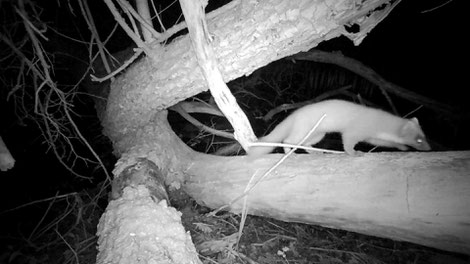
(247, 35)
(417, 197)
(422, 202)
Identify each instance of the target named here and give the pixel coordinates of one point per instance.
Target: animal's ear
(414, 120)
(410, 125)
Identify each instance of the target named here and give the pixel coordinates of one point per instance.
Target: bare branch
(200, 40)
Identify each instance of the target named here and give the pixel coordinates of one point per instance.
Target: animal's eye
(419, 140)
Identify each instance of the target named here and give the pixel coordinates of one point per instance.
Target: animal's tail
(276, 136)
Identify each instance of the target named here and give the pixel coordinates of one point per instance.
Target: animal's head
(413, 135)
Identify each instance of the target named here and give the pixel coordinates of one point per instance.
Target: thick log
(422, 202)
(136, 228)
(247, 36)
(417, 197)
(148, 230)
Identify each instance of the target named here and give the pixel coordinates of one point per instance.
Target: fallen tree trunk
(364, 194)
(416, 197)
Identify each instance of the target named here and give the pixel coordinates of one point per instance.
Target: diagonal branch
(200, 40)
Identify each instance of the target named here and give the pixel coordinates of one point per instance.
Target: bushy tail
(276, 136)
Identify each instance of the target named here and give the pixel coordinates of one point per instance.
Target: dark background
(418, 50)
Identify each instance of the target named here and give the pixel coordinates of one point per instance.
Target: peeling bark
(422, 202)
(246, 37)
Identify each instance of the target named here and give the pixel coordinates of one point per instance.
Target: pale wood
(201, 43)
(417, 197)
(137, 228)
(422, 198)
(246, 36)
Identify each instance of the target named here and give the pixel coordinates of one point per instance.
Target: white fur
(355, 122)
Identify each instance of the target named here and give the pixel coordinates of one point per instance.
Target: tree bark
(138, 229)
(419, 197)
(246, 36)
(422, 202)
(416, 197)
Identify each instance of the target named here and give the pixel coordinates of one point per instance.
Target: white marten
(355, 122)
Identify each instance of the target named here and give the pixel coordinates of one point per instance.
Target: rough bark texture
(137, 229)
(247, 35)
(201, 43)
(416, 197)
(424, 201)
